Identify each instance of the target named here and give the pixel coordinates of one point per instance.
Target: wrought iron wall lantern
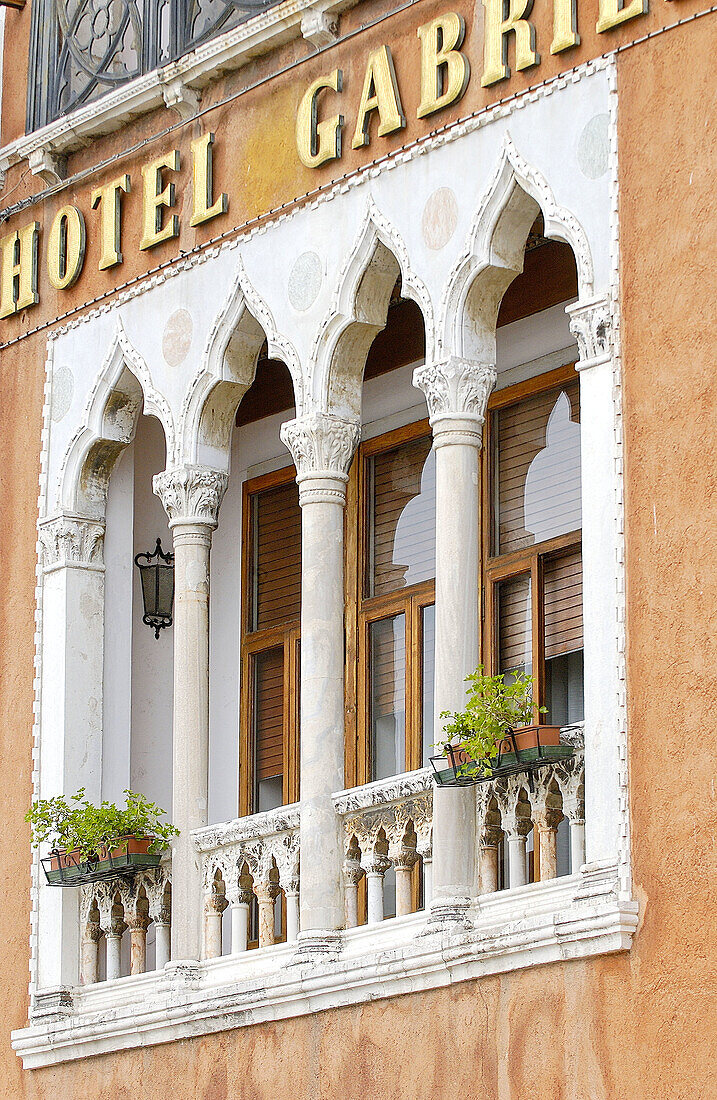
(156, 572)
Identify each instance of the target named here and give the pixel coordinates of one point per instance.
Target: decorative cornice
(456, 390)
(191, 494)
(71, 541)
(284, 819)
(591, 325)
(322, 446)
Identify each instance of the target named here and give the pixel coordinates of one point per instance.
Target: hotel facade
(391, 323)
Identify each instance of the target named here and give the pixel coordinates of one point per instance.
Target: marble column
(457, 393)
(375, 866)
(488, 860)
(322, 446)
(266, 895)
(73, 578)
(403, 859)
(240, 901)
(89, 972)
(353, 873)
(191, 496)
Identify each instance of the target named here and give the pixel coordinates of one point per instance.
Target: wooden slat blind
(269, 713)
(276, 557)
(388, 666)
(402, 517)
(519, 433)
(514, 624)
(563, 588)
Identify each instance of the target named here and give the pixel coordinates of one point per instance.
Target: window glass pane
(563, 588)
(402, 517)
(537, 463)
(387, 715)
(269, 728)
(275, 557)
(428, 617)
(514, 613)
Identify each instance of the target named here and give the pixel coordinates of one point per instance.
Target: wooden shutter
(402, 517)
(514, 624)
(269, 713)
(563, 594)
(519, 435)
(276, 557)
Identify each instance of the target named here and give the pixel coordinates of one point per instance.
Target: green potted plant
(89, 842)
(494, 735)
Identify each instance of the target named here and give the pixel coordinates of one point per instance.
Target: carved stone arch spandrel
(122, 390)
(227, 370)
(359, 310)
(494, 250)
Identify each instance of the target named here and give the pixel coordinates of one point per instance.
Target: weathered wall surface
(628, 1028)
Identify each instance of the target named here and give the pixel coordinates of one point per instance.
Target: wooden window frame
(527, 560)
(254, 642)
(362, 610)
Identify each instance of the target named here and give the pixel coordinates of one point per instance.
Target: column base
(317, 945)
(183, 972)
(448, 915)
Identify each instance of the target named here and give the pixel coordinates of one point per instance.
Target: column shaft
(192, 543)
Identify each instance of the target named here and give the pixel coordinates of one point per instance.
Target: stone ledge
(579, 916)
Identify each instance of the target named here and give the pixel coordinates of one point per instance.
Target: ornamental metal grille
(81, 49)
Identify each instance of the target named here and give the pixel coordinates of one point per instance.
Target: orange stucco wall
(636, 1027)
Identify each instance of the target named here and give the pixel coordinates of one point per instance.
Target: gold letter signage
(445, 71)
(108, 200)
(18, 269)
(380, 93)
(317, 141)
(66, 247)
(155, 199)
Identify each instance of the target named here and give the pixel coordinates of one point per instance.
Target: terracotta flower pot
(530, 737)
(126, 846)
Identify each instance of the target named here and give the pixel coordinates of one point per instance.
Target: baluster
(403, 858)
(375, 867)
(113, 935)
(162, 944)
(291, 893)
(240, 900)
(90, 955)
(424, 847)
(488, 867)
(266, 894)
(575, 812)
(353, 873)
(137, 924)
(216, 903)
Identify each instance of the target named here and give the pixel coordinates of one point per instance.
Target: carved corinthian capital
(591, 325)
(456, 390)
(191, 494)
(322, 446)
(72, 541)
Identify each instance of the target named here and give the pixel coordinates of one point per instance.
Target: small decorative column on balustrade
(375, 864)
(291, 892)
(162, 942)
(191, 497)
(574, 810)
(240, 901)
(457, 394)
(353, 873)
(488, 859)
(90, 951)
(322, 447)
(266, 895)
(424, 847)
(216, 903)
(403, 858)
(138, 923)
(547, 815)
(113, 934)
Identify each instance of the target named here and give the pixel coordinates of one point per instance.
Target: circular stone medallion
(594, 147)
(63, 387)
(177, 337)
(304, 281)
(440, 217)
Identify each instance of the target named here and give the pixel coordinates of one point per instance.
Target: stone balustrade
(110, 908)
(508, 809)
(387, 824)
(257, 858)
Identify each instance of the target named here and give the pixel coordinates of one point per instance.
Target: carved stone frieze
(591, 325)
(261, 842)
(191, 494)
(393, 816)
(456, 389)
(68, 540)
(322, 445)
